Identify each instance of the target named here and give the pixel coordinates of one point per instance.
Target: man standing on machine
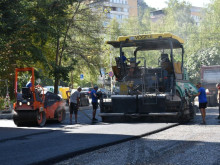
(29, 84)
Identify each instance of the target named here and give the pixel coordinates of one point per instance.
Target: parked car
(87, 91)
(84, 100)
(116, 90)
(106, 93)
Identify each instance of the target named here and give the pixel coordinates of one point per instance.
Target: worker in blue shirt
(202, 101)
(29, 84)
(94, 102)
(124, 59)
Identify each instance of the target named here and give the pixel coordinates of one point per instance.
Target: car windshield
(103, 90)
(85, 89)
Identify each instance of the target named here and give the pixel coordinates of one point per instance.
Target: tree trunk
(71, 79)
(56, 82)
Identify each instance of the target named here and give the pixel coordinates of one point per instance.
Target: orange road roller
(33, 107)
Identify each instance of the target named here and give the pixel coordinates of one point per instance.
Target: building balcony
(111, 4)
(119, 13)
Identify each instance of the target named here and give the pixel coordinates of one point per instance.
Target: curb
(6, 115)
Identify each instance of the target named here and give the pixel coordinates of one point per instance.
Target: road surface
(55, 142)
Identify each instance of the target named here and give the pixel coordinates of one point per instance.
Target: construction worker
(94, 102)
(74, 104)
(124, 59)
(29, 84)
(202, 101)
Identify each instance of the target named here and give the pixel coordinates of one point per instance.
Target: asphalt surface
(189, 144)
(55, 142)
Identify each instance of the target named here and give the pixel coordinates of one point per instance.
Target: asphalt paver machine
(33, 106)
(164, 90)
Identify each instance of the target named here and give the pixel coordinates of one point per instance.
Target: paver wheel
(184, 117)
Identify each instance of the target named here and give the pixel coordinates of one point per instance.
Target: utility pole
(111, 68)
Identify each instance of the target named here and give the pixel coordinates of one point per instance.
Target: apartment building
(156, 15)
(196, 13)
(119, 9)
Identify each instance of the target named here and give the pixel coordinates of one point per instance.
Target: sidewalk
(6, 115)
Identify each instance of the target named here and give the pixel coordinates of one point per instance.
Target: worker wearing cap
(74, 104)
(94, 102)
(202, 101)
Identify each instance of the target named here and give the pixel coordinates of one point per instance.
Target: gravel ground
(182, 145)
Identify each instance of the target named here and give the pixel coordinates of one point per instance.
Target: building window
(124, 16)
(119, 16)
(125, 10)
(114, 9)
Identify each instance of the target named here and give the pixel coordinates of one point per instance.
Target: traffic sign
(110, 74)
(81, 77)
(51, 90)
(102, 71)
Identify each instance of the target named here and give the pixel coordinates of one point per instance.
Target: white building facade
(119, 9)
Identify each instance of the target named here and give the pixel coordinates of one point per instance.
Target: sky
(159, 4)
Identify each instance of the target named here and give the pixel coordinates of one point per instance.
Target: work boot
(203, 123)
(94, 119)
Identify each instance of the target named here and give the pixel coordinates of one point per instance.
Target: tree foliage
(201, 40)
(51, 36)
(63, 39)
(204, 46)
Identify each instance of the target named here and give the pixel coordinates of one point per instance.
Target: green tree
(85, 45)
(204, 43)
(16, 38)
(49, 35)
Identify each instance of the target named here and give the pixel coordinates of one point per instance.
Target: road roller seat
(26, 93)
(165, 63)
